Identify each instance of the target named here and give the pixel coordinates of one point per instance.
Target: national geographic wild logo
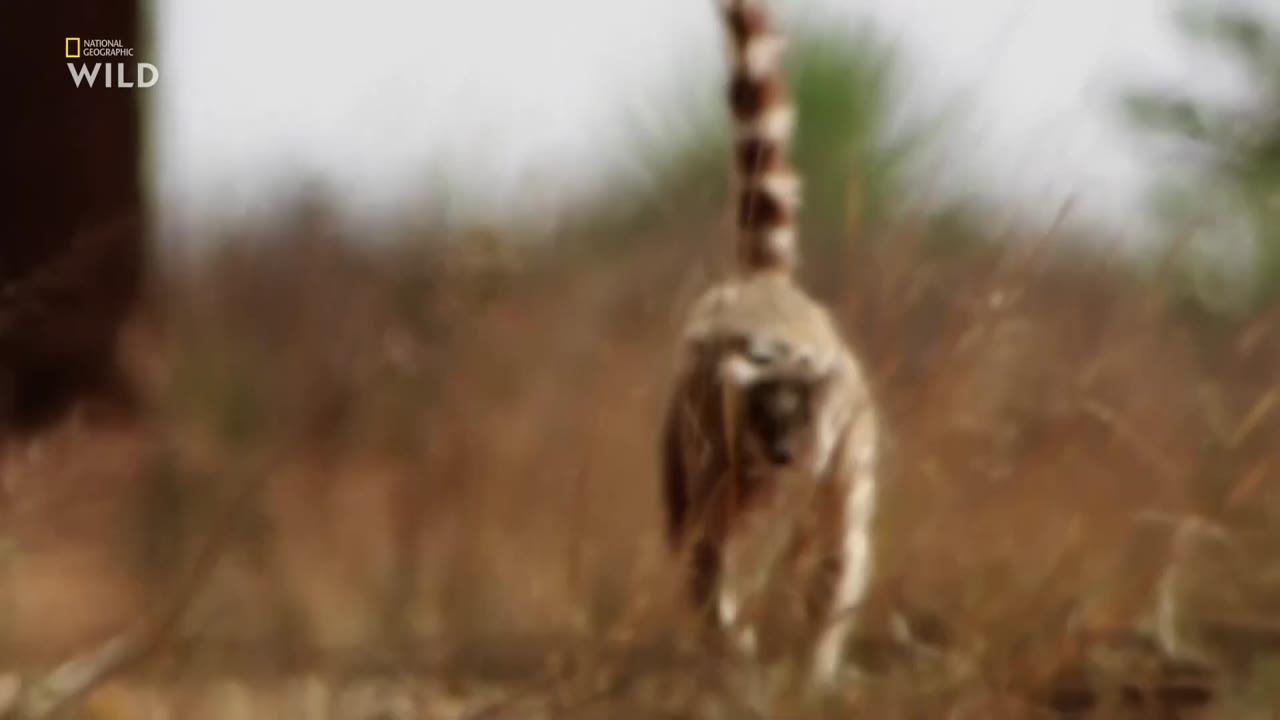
(97, 68)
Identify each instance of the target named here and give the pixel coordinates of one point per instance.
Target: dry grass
(452, 457)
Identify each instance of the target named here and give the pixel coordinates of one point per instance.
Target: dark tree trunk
(71, 248)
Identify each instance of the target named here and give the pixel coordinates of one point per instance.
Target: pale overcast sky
(522, 101)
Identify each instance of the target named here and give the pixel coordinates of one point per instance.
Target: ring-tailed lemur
(770, 430)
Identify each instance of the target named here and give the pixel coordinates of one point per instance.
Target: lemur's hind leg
(843, 572)
(705, 567)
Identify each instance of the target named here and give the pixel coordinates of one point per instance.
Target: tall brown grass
(451, 452)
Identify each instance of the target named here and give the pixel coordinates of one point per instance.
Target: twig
(494, 710)
(1188, 529)
(1266, 406)
(1125, 432)
(1250, 482)
(578, 511)
(78, 676)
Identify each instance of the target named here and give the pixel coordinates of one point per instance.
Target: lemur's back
(762, 301)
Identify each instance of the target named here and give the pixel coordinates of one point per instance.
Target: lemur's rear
(770, 439)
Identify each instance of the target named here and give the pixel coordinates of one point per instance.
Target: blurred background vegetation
(447, 438)
(1230, 196)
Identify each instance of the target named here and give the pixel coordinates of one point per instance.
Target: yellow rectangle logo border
(70, 41)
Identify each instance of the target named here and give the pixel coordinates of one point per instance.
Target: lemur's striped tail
(769, 190)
